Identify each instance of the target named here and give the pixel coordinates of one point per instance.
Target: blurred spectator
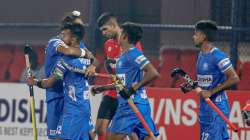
(36, 69)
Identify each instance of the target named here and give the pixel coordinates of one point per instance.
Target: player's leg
(116, 137)
(72, 125)
(123, 123)
(101, 126)
(54, 112)
(139, 129)
(213, 128)
(106, 112)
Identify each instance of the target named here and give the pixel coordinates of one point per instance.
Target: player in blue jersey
(74, 123)
(55, 49)
(215, 73)
(135, 71)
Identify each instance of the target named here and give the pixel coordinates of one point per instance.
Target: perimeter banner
(175, 114)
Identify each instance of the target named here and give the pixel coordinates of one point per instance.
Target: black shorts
(107, 108)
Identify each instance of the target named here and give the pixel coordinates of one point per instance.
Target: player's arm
(232, 79)
(58, 73)
(150, 73)
(56, 46)
(71, 51)
(225, 66)
(90, 71)
(44, 83)
(99, 89)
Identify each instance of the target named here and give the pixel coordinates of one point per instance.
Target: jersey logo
(205, 66)
(224, 63)
(205, 80)
(139, 59)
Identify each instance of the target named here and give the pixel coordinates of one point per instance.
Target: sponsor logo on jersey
(85, 61)
(205, 80)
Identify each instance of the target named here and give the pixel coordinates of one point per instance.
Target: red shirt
(113, 51)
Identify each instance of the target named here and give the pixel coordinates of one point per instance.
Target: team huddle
(67, 89)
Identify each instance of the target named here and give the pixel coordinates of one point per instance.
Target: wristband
(39, 84)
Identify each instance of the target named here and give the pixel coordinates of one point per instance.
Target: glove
(59, 70)
(126, 93)
(96, 90)
(186, 87)
(246, 114)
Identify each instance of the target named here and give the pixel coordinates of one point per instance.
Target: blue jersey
(75, 84)
(129, 70)
(51, 58)
(210, 73)
(74, 123)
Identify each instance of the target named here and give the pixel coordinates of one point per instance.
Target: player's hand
(96, 90)
(90, 71)
(205, 94)
(31, 81)
(126, 93)
(59, 70)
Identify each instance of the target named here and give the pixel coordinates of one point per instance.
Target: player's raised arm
(71, 51)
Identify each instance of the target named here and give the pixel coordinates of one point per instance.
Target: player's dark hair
(70, 18)
(208, 27)
(104, 18)
(133, 31)
(76, 29)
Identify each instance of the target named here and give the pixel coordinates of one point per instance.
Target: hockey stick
(77, 70)
(117, 81)
(27, 50)
(184, 75)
